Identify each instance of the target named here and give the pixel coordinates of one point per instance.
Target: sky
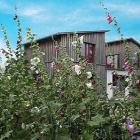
(46, 17)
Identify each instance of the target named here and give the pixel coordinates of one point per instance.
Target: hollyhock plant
(35, 61)
(89, 85)
(77, 69)
(109, 18)
(130, 126)
(74, 43)
(56, 48)
(81, 39)
(138, 81)
(53, 65)
(89, 75)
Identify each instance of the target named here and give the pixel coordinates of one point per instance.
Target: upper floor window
(112, 61)
(90, 52)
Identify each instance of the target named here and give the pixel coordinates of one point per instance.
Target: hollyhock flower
(127, 79)
(32, 68)
(77, 69)
(56, 48)
(137, 81)
(89, 74)
(72, 59)
(9, 77)
(109, 18)
(53, 65)
(89, 85)
(130, 125)
(81, 39)
(127, 67)
(42, 53)
(35, 61)
(74, 43)
(37, 72)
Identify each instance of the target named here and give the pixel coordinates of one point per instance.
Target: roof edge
(64, 33)
(126, 39)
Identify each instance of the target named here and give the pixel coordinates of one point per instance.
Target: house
(115, 57)
(93, 49)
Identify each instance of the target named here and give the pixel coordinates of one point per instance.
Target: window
(89, 52)
(119, 82)
(112, 61)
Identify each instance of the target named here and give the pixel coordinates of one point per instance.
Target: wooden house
(115, 56)
(93, 49)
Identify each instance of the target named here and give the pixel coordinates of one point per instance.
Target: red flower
(109, 19)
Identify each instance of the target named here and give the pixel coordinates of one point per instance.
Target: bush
(35, 105)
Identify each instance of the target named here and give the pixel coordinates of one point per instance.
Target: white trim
(110, 80)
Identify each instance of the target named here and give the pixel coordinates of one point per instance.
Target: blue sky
(50, 16)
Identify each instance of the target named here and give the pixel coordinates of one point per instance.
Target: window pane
(89, 52)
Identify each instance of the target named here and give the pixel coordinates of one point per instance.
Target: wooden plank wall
(96, 38)
(118, 48)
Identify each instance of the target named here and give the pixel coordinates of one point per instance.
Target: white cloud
(129, 9)
(36, 13)
(31, 11)
(4, 6)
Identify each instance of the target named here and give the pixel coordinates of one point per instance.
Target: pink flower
(109, 19)
(127, 67)
(137, 81)
(56, 48)
(126, 63)
(130, 126)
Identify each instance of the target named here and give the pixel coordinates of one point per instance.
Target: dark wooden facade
(93, 37)
(117, 48)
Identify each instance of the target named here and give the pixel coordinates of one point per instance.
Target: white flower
(60, 126)
(32, 68)
(127, 79)
(35, 110)
(9, 77)
(27, 104)
(53, 65)
(23, 126)
(74, 43)
(77, 69)
(35, 61)
(72, 59)
(42, 53)
(81, 39)
(89, 85)
(36, 71)
(89, 74)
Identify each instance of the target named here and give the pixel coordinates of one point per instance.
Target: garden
(65, 105)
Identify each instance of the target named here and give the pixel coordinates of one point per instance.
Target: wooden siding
(95, 38)
(118, 48)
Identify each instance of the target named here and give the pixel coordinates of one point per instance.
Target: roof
(121, 41)
(64, 33)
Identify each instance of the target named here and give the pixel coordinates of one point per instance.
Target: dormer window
(90, 52)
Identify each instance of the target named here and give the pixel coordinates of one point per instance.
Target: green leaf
(97, 120)
(74, 117)
(6, 135)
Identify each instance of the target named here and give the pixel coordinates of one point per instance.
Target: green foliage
(35, 105)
